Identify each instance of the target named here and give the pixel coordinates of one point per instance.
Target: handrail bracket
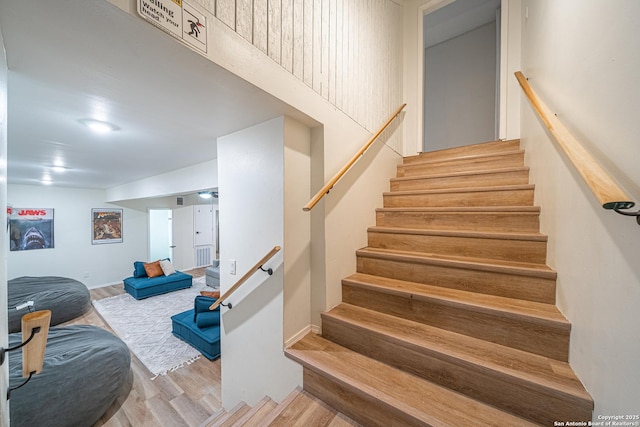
(625, 205)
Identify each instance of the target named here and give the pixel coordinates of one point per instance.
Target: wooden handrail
(606, 190)
(244, 278)
(329, 185)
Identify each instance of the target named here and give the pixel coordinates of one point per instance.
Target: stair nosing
(516, 187)
(465, 359)
(465, 300)
(534, 237)
(523, 210)
(478, 264)
(479, 144)
(470, 157)
(461, 174)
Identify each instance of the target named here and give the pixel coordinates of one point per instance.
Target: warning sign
(178, 18)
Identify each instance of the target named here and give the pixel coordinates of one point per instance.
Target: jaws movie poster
(30, 228)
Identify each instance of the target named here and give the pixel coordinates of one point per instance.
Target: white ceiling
(457, 18)
(75, 59)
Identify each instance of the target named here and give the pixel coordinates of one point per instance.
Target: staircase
(298, 409)
(450, 319)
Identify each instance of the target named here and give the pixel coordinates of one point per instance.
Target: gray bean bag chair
(85, 369)
(66, 298)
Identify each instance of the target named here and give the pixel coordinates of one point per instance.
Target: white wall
(460, 90)
(297, 228)
(4, 244)
(73, 254)
(582, 57)
(252, 213)
(186, 180)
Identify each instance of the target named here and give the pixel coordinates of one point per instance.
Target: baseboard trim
(298, 336)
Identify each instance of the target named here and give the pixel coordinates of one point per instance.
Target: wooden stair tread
(482, 264)
(275, 412)
(305, 410)
(231, 417)
(521, 366)
(547, 314)
(459, 174)
(537, 237)
(391, 387)
(471, 158)
(524, 210)
(460, 190)
(257, 412)
(491, 146)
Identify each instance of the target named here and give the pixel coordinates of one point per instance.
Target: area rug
(145, 326)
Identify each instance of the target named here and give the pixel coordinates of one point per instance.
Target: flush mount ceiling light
(205, 194)
(99, 126)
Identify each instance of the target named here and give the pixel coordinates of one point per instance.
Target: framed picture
(30, 228)
(106, 226)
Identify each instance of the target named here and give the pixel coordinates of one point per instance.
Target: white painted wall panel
(298, 39)
(274, 30)
(287, 35)
(587, 74)
(348, 51)
(244, 19)
(226, 12)
(260, 38)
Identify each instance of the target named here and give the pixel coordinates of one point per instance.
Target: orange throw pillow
(212, 294)
(153, 269)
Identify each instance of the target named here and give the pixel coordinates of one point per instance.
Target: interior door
(183, 253)
(203, 225)
(160, 234)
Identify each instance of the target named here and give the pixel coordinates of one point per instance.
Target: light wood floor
(185, 397)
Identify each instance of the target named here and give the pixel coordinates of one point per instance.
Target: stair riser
(356, 404)
(469, 150)
(490, 222)
(522, 197)
(515, 395)
(500, 249)
(462, 165)
(480, 180)
(521, 334)
(486, 282)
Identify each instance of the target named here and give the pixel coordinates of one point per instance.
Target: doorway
(160, 234)
(461, 57)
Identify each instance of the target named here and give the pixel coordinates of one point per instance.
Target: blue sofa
(141, 286)
(199, 327)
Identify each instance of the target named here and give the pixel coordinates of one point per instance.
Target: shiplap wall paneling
(260, 37)
(226, 12)
(331, 51)
(307, 40)
(244, 19)
(287, 35)
(317, 45)
(324, 51)
(338, 54)
(298, 39)
(274, 30)
(347, 51)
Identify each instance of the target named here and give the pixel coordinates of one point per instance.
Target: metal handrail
(244, 278)
(329, 185)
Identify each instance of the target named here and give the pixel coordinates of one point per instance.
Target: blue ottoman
(206, 340)
(144, 287)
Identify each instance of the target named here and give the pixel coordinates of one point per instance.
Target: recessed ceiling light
(59, 169)
(98, 125)
(205, 194)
